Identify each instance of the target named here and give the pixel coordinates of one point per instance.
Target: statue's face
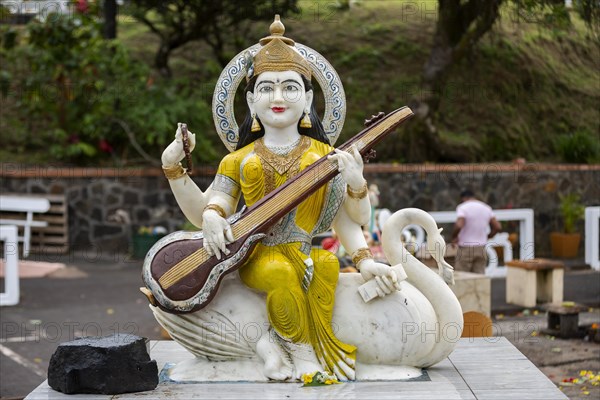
(279, 99)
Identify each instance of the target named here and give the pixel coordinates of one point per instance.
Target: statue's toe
(278, 374)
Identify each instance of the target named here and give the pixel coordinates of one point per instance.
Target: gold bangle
(174, 171)
(359, 194)
(363, 253)
(217, 208)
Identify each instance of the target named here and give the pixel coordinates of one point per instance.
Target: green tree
(76, 97)
(460, 26)
(219, 23)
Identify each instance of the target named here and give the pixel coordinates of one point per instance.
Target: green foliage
(4, 13)
(554, 15)
(507, 99)
(589, 10)
(549, 13)
(83, 98)
(572, 211)
(155, 114)
(67, 80)
(220, 24)
(580, 147)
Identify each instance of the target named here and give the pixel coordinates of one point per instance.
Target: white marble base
(195, 370)
(479, 368)
(474, 292)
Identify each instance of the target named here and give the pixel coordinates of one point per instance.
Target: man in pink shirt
(475, 223)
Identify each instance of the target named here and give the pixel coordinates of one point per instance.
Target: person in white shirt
(475, 223)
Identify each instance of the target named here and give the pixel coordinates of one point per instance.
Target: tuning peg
(369, 155)
(374, 118)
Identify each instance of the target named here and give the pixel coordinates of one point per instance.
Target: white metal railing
(592, 237)
(523, 215)
(8, 235)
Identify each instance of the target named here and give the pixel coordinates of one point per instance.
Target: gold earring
(305, 122)
(255, 125)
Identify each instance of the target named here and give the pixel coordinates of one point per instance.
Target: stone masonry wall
(95, 195)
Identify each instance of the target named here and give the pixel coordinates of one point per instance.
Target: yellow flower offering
(319, 379)
(307, 378)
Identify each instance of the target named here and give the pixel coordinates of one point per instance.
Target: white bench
(8, 235)
(27, 205)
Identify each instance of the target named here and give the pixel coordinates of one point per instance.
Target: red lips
(278, 109)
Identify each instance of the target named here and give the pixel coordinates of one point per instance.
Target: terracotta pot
(564, 245)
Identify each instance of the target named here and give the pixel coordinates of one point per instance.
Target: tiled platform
(481, 368)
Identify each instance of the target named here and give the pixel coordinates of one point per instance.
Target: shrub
(83, 99)
(572, 211)
(580, 147)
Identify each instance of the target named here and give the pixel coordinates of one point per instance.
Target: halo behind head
(238, 68)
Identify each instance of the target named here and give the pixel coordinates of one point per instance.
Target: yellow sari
(300, 297)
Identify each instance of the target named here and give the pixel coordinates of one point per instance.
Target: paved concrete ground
(54, 310)
(99, 296)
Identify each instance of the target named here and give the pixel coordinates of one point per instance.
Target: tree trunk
(458, 29)
(110, 19)
(424, 141)
(161, 61)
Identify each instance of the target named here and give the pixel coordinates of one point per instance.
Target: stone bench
(534, 281)
(563, 320)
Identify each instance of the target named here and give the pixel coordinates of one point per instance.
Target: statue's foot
(302, 367)
(305, 360)
(276, 367)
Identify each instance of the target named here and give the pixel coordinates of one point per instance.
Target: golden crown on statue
(278, 53)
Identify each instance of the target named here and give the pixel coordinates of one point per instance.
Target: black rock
(105, 365)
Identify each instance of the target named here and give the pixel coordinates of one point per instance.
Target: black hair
(467, 193)
(316, 132)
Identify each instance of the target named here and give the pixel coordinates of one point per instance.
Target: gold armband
(363, 253)
(217, 208)
(360, 194)
(174, 171)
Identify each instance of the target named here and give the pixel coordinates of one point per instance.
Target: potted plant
(565, 244)
(144, 239)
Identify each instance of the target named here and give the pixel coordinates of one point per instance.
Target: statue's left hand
(350, 164)
(174, 152)
(387, 280)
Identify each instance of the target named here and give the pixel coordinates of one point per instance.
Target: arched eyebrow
(265, 82)
(292, 80)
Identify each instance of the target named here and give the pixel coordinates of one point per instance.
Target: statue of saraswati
(294, 185)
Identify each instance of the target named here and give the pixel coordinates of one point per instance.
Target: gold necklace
(288, 164)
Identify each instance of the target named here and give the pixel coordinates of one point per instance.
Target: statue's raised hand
(174, 152)
(217, 233)
(350, 164)
(387, 279)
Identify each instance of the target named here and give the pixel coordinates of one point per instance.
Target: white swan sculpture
(416, 327)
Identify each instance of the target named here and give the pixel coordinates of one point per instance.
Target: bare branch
(134, 142)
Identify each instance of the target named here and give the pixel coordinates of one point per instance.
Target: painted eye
(291, 88)
(265, 89)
